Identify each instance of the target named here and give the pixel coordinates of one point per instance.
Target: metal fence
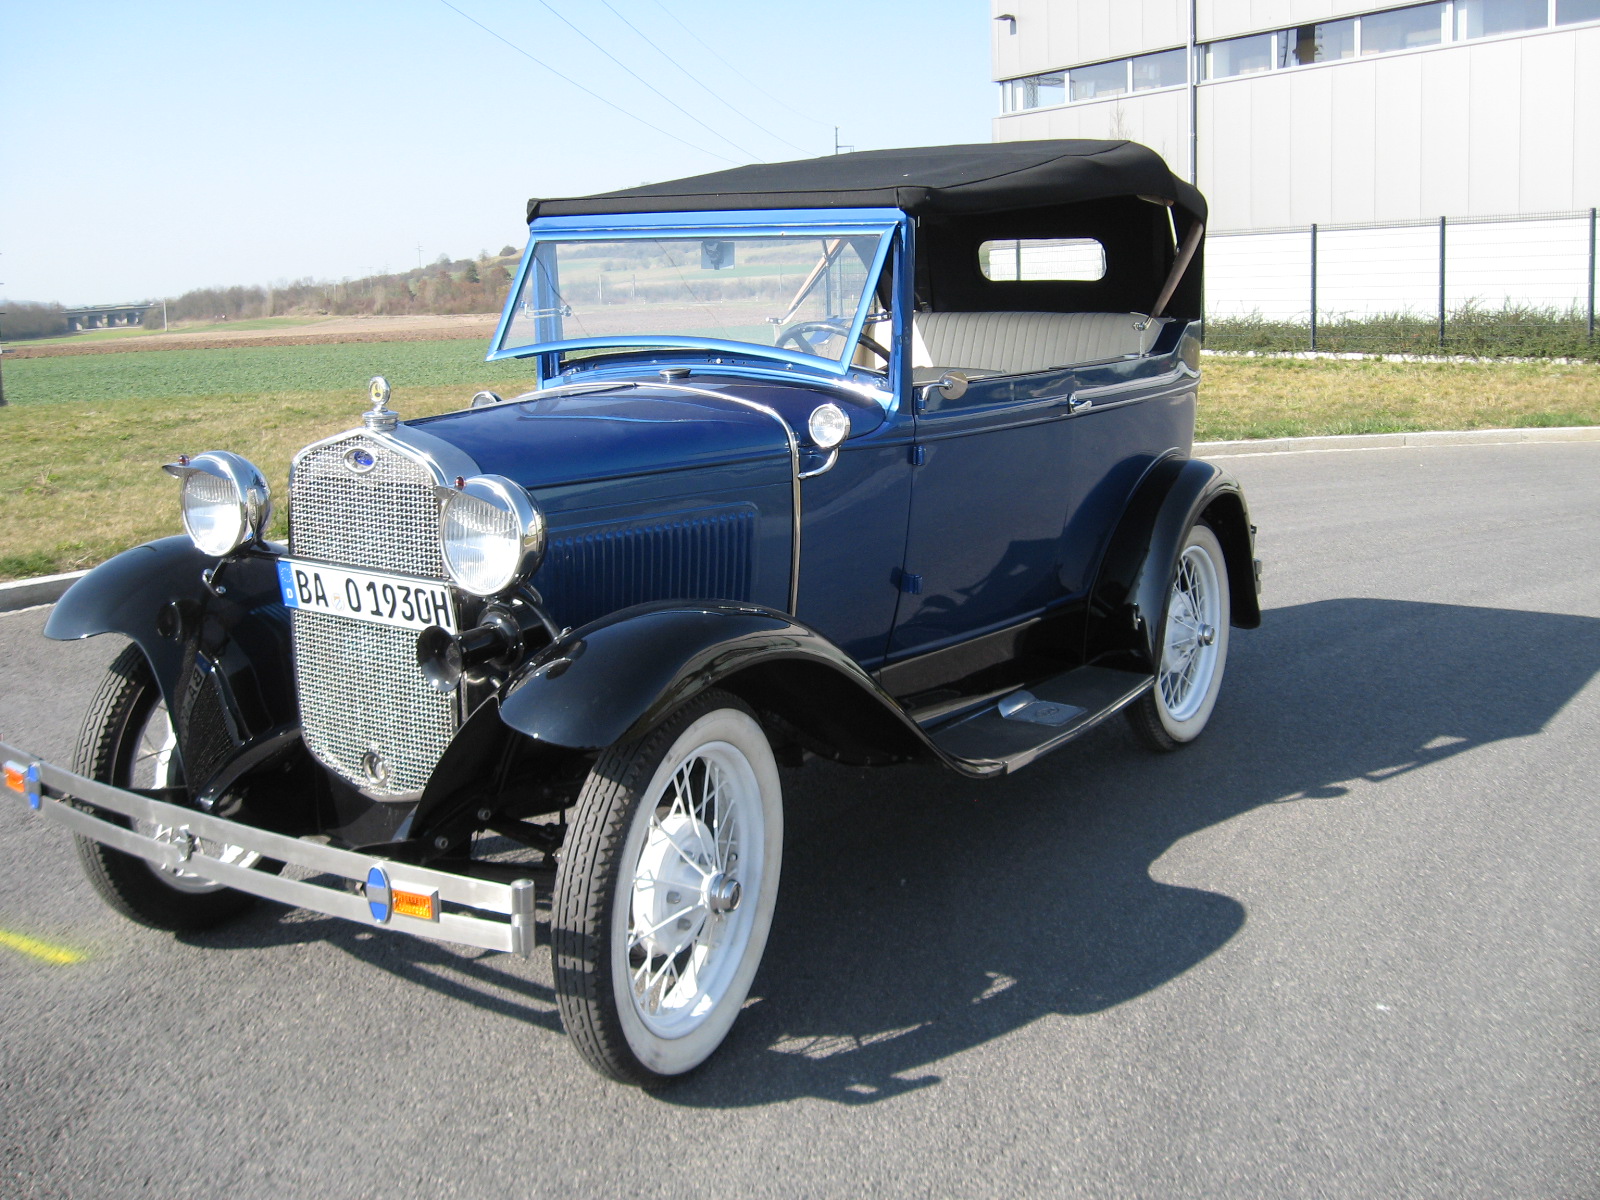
(1488, 285)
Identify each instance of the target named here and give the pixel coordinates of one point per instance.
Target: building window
(1036, 91)
(1239, 56)
(1485, 18)
(1168, 69)
(1099, 81)
(1402, 29)
(1077, 260)
(1570, 11)
(1326, 42)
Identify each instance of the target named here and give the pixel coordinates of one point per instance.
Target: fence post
(1591, 274)
(1314, 287)
(1441, 283)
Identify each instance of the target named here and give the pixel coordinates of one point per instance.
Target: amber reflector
(422, 905)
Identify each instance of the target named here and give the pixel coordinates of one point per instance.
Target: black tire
(1177, 709)
(618, 871)
(119, 717)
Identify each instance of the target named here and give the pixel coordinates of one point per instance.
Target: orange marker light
(422, 905)
(23, 778)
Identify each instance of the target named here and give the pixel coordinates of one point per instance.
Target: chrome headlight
(491, 533)
(828, 426)
(225, 501)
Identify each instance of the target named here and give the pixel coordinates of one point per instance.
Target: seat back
(1012, 342)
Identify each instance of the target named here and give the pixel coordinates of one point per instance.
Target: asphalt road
(1345, 945)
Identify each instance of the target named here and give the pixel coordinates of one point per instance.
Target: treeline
(448, 286)
(464, 285)
(21, 320)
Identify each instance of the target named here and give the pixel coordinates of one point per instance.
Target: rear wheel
(1194, 648)
(666, 890)
(128, 740)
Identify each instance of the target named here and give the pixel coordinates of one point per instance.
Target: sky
(154, 147)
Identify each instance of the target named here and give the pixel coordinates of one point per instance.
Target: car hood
(636, 427)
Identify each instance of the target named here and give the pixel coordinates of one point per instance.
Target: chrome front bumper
(503, 917)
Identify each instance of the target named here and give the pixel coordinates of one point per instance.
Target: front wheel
(128, 741)
(1194, 648)
(666, 889)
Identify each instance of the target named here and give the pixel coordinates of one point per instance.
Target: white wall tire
(666, 890)
(1194, 647)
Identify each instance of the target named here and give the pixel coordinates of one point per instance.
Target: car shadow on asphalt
(922, 914)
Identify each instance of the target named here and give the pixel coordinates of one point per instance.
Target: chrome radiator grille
(360, 691)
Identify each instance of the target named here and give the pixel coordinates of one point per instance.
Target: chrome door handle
(1076, 405)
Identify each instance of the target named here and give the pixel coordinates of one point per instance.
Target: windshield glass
(800, 293)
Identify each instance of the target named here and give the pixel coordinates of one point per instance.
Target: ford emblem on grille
(359, 459)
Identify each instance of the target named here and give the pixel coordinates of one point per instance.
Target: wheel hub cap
(723, 894)
(670, 889)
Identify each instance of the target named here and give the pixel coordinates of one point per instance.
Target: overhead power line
(700, 83)
(647, 83)
(736, 71)
(588, 92)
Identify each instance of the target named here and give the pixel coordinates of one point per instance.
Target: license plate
(366, 596)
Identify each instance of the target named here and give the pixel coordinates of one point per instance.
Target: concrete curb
(1388, 441)
(47, 589)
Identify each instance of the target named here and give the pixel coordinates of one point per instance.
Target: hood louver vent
(703, 554)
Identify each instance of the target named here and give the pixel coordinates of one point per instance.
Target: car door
(988, 506)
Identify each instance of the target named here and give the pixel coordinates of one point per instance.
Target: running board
(1017, 728)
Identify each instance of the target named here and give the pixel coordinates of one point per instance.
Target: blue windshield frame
(843, 222)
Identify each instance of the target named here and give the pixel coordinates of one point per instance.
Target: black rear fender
(1130, 594)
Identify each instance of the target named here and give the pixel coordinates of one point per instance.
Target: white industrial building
(1369, 122)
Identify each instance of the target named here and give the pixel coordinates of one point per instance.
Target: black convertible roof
(987, 177)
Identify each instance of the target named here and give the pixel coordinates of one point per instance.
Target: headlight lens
(225, 501)
(828, 426)
(491, 533)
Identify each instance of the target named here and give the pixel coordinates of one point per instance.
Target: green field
(82, 442)
(252, 370)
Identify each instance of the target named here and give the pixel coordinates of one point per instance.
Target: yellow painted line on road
(59, 955)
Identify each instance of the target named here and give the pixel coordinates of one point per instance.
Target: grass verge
(80, 478)
(1316, 397)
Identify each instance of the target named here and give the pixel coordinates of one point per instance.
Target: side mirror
(952, 385)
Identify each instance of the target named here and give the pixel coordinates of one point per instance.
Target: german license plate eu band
(366, 596)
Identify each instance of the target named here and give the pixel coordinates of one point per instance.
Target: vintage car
(882, 457)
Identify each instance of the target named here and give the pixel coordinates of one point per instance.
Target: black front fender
(221, 659)
(618, 677)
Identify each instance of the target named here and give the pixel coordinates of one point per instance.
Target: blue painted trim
(812, 362)
(869, 299)
(511, 304)
(884, 222)
(868, 385)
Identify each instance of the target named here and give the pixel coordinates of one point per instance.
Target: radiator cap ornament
(380, 416)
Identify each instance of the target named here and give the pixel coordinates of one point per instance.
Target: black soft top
(983, 178)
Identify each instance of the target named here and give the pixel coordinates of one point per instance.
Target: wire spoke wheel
(686, 923)
(666, 891)
(154, 766)
(128, 740)
(1194, 647)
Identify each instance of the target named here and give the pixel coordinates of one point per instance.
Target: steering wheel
(796, 333)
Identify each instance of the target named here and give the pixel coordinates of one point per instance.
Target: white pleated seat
(1011, 342)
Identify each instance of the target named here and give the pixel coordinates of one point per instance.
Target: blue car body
(941, 510)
